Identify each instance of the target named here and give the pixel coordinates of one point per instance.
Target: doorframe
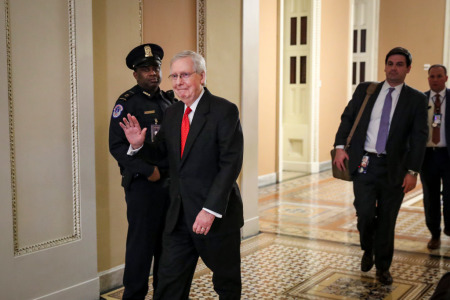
(446, 53)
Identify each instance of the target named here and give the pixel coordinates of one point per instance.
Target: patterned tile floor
(309, 248)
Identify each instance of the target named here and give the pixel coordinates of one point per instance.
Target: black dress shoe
(367, 261)
(434, 243)
(447, 231)
(384, 277)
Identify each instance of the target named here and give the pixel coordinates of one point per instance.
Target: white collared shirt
(431, 99)
(194, 106)
(375, 117)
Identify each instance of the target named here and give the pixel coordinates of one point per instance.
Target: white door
(365, 39)
(296, 85)
(47, 179)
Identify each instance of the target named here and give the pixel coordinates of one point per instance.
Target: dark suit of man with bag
(202, 139)
(436, 164)
(391, 136)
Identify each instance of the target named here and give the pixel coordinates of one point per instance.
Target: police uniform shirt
(148, 109)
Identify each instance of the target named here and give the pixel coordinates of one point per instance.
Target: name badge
(154, 129)
(437, 120)
(364, 164)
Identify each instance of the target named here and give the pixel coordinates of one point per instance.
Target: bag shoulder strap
(370, 90)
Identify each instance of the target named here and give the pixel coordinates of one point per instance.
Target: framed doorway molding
(446, 58)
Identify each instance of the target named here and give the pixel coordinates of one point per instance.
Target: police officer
(145, 184)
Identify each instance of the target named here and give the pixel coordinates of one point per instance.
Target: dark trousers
(436, 169)
(181, 249)
(146, 207)
(377, 203)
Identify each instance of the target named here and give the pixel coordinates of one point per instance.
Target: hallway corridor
(309, 248)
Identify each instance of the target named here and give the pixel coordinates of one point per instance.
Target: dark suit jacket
(408, 131)
(447, 116)
(212, 159)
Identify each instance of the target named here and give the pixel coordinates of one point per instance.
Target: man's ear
(203, 80)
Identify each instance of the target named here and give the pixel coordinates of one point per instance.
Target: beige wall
(116, 30)
(334, 68)
(267, 89)
(416, 25)
(223, 48)
(173, 29)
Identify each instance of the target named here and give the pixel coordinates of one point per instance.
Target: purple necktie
(383, 131)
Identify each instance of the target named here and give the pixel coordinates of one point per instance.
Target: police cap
(145, 55)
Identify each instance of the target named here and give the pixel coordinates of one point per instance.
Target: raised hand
(135, 135)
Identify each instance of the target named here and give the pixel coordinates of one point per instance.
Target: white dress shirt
(375, 117)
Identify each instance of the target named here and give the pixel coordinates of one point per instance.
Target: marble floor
(308, 248)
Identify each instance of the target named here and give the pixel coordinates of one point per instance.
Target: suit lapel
(365, 118)
(197, 124)
(447, 115)
(399, 109)
(178, 119)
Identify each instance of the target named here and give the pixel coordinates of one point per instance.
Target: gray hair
(197, 59)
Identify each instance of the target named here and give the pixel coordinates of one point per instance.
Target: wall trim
(141, 21)
(325, 165)
(251, 227)
(83, 290)
(76, 235)
(267, 179)
(112, 278)
(316, 13)
(201, 27)
(446, 53)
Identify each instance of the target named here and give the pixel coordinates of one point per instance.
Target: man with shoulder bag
(384, 157)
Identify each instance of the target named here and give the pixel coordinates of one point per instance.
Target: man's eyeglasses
(183, 76)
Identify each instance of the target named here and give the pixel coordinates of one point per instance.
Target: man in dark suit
(145, 184)
(202, 139)
(391, 137)
(436, 164)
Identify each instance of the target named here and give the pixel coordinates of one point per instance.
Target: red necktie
(436, 130)
(185, 128)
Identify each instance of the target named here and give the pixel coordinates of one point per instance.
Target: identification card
(437, 120)
(154, 128)
(364, 164)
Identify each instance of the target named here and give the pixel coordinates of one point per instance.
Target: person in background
(436, 164)
(145, 183)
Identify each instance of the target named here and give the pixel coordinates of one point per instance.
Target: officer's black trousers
(146, 206)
